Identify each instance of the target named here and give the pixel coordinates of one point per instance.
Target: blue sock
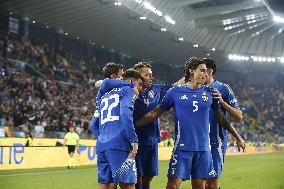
(219, 187)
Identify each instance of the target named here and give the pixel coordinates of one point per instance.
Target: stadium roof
(134, 26)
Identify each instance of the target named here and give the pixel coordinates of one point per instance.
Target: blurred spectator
(39, 130)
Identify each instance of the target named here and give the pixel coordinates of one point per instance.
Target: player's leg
(218, 160)
(140, 158)
(212, 184)
(173, 183)
(126, 186)
(146, 180)
(71, 150)
(198, 183)
(107, 186)
(202, 169)
(179, 168)
(143, 182)
(147, 165)
(105, 179)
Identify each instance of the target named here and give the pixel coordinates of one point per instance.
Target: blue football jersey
(218, 135)
(148, 100)
(191, 111)
(109, 84)
(115, 117)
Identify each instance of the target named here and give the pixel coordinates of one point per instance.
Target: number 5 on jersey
(194, 103)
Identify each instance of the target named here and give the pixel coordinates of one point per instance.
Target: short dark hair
(131, 73)
(210, 63)
(111, 68)
(191, 64)
(141, 65)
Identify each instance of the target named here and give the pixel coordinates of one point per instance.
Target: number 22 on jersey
(107, 109)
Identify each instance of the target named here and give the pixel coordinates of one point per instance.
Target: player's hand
(133, 153)
(217, 95)
(241, 145)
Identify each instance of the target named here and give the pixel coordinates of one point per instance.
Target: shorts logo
(213, 172)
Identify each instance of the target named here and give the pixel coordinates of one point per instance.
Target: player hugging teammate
(198, 102)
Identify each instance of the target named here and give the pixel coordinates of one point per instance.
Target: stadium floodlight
(278, 19)
(66, 33)
(196, 45)
(170, 20)
(254, 59)
(180, 38)
(77, 37)
(213, 49)
(163, 29)
(34, 22)
(153, 9)
(143, 18)
(269, 59)
(282, 59)
(273, 59)
(47, 26)
(11, 13)
(117, 3)
(138, 1)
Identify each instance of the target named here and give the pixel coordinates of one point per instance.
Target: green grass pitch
(259, 171)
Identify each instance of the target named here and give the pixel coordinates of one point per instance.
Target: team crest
(204, 97)
(151, 94)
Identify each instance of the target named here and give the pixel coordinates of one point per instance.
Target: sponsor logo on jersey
(184, 97)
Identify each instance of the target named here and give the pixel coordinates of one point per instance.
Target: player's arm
(179, 82)
(150, 117)
(98, 83)
(108, 84)
(165, 105)
(77, 142)
(94, 125)
(65, 140)
(222, 120)
(235, 112)
(126, 116)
